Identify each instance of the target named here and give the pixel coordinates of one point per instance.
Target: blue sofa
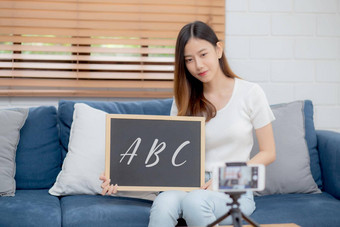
(44, 143)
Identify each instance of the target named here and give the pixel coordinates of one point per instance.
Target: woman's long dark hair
(188, 90)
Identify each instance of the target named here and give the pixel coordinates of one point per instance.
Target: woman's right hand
(106, 186)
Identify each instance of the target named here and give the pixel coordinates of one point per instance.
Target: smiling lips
(203, 73)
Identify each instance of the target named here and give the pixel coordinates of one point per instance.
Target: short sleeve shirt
(229, 135)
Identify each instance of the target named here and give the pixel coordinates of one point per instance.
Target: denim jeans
(198, 207)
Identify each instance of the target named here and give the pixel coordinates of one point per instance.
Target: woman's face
(202, 59)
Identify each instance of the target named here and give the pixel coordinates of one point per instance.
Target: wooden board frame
(200, 120)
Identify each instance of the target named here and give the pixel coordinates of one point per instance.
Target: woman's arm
(265, 138)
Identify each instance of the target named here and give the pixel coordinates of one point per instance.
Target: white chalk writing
(155, 150)
(137, 142)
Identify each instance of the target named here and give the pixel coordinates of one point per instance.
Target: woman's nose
(199, 64)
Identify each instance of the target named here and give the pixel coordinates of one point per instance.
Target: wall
(290, 47)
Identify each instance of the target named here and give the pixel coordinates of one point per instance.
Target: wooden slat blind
(89, 48)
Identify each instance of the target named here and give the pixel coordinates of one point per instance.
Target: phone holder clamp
(235, 212)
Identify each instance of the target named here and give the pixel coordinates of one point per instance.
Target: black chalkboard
(155, 153)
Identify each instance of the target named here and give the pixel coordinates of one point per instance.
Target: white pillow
(85, 160)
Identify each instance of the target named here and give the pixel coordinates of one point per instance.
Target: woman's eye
(188, 60)
(204, 54)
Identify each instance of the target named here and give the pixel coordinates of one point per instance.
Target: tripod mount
(235, 212)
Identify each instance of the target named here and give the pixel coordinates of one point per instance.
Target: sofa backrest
(38, 157)
(162, 107)
(311, 140)
(45, 136)
(149, 107)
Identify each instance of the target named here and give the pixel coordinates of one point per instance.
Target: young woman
(204, 85)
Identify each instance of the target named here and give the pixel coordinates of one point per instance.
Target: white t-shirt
(228, 136)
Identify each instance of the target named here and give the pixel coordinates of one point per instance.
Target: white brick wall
(270, 5)
(291, 48)
(328, 25)
(293, 25)
(271, 48)
(316, 6)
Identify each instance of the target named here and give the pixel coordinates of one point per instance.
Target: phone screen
(238, 177)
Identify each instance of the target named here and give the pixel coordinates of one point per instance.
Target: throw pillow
(11, 121)
(85, 159)
(290, 173)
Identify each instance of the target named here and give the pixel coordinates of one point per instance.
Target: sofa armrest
(329, 151)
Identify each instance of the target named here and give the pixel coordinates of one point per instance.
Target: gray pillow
(11, 121)
(290, 173)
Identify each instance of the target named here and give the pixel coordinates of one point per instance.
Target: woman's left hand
(207, 185)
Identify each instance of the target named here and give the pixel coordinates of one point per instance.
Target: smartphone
(239, 177)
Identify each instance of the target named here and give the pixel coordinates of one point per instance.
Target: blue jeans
(198, 207)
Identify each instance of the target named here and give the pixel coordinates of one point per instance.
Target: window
(88, 48)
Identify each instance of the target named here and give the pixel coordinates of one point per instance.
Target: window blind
(88, 48)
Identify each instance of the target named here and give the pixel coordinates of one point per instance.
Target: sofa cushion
(39, 152)
(11, 121)
(290, 173)
(302, 209)
(149, 107)
(90, 210)
(30, 208)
